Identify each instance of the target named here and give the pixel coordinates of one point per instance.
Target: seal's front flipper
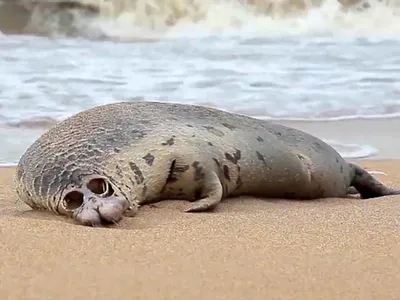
(212, 193)
(367, 185)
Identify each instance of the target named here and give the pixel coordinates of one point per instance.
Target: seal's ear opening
(73, 200)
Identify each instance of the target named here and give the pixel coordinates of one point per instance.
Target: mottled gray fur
(150, 151)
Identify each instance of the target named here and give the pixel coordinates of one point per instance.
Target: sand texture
(247, 249)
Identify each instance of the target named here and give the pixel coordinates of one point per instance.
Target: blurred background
(330, 68)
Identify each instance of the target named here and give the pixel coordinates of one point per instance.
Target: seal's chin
(94, 202)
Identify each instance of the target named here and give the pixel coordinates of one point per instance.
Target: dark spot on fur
(260, 139)
(169, 142)
(341, 169)
(301, 157)
(198, 171)
(337, 159)
(209, 143)
(215, 131)
(217, 162)
(226, 173)
(317, 145)
(193, 135)
(117, 150)
(138, 173)
(149, 159)
(189, 125)
(171, 178)
(181, 169)
(276, 133)
(231, 127)
(175, 171)
(260, 157)
(235, 157)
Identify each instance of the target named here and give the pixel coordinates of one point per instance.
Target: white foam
(376, 172)
(352, 151)
(7, 165)
(188, 18)
(338, 118)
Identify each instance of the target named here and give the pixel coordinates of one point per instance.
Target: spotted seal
(103, 163)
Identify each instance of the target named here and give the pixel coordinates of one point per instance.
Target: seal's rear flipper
(212, 191)
(367, 185)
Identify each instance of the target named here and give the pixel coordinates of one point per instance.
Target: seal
(103, 163)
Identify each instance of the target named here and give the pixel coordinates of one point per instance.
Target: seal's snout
(95, 203)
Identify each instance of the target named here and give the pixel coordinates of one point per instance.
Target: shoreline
(377, 133)
(367, 134)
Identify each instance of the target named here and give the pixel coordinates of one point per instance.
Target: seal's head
(93, 201)
(70, 168)
(89, 197)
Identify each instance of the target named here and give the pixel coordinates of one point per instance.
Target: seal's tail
(367, 185)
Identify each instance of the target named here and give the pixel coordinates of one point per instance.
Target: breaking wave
(138, 19)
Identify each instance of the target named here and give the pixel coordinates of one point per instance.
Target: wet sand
(247, 249)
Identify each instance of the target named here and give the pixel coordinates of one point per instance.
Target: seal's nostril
(97, 186)
(73, 200)
(101, 187)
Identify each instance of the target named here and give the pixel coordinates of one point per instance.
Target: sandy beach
(236, 55)
(247, 249)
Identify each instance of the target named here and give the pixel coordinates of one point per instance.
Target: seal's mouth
(95, 202)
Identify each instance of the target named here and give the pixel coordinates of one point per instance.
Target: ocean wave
(347, 151)
(39, 123)
(353, 151)
(336, 118)
(154, 19)
(45, 122)
(33, 122)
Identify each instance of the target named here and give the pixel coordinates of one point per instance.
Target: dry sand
(247, 249)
